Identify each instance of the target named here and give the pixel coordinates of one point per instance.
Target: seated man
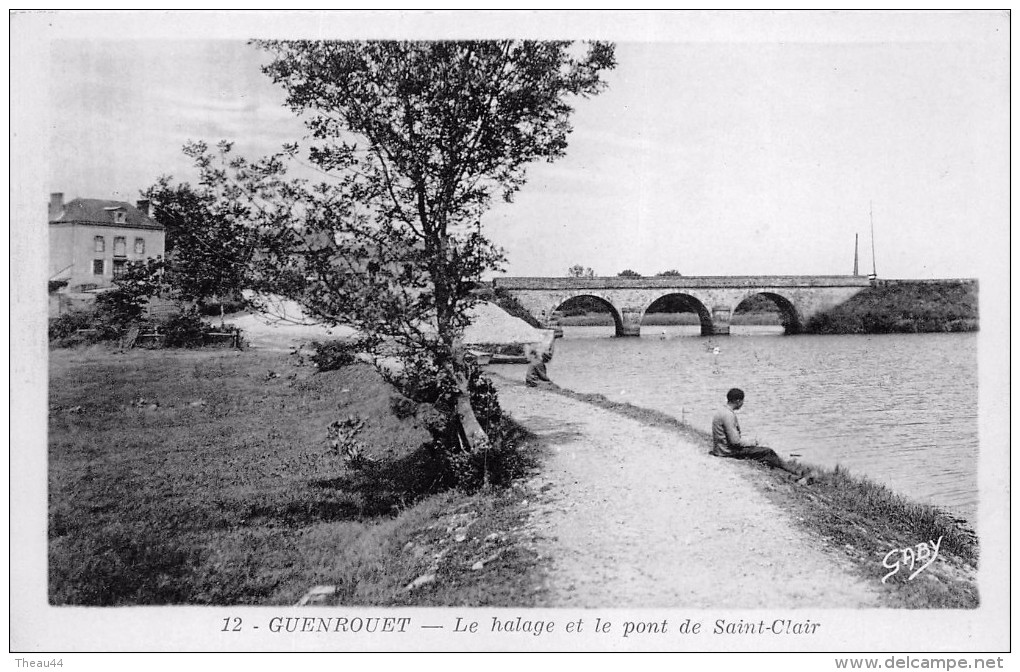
(537, 375)
(727, 442)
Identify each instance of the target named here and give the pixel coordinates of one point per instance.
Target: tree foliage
(627, 273)
(417, 138)
(125, 303)
(208, 249)
(671, 273)
(579, 271)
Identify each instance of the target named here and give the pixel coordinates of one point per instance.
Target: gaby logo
(920, 556)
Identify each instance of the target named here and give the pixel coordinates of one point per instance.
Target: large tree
(208, 251)
(417, 137)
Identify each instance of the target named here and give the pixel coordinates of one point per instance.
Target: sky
(725, 143)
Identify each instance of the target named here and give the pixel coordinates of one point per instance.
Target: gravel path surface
(636, 516)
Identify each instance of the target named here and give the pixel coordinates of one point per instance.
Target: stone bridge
(713, 298)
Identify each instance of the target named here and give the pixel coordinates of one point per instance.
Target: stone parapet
(681, 282)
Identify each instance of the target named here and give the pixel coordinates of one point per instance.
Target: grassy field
(205, 477)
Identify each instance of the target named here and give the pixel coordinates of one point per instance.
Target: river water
(900, 409)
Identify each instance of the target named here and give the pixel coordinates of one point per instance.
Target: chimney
(144, 205)
(56, 205)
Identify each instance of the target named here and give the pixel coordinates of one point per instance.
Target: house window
(119, 266)
(118, 216)
(120, 246)
(139, 246)
(100, 244)
(97, 267)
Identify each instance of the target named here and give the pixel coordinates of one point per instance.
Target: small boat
(508, 359)
(480, 357)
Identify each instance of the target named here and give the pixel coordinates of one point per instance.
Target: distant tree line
(581, 271)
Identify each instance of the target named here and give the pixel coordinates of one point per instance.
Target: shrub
(64, 331)
(418, 378)
(183, 330)
(484, 400)
(120, 307)
(107, 321)
(333, 355)
(219, 340)
(443, 463)
(343, 440)
(213, 309)
(501, 460)
(402, 407)
(497, 464)
(69, 323)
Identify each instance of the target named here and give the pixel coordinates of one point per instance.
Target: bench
(152, 338)
(231, 337)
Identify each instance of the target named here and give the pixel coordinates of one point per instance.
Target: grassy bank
(857, 518)
(198, 477)
(903, 307)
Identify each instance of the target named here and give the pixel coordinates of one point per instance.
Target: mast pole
(855, 253)
(871, 213)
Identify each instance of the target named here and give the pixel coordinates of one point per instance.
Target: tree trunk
(472, 434)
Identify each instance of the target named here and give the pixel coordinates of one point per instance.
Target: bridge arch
(688, 301)
(799, 298)
(601, 300)
(789, 315)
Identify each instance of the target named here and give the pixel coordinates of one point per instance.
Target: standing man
(727, 442)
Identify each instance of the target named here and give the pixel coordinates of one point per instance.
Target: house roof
(100, 212)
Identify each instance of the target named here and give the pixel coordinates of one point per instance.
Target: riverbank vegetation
(903, 307)
(210, 477)
(858, 519)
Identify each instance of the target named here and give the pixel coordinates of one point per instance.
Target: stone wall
(681, 281)
(713, 298)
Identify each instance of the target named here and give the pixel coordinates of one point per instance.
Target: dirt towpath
(636, 516)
